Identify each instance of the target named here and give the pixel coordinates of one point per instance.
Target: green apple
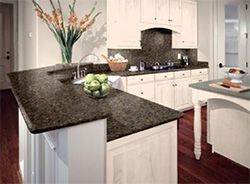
(86, 85)
(105, 88)
(96, 93)
(97, 76)
(87, 91)
(94, 85)
(89, 78)
(103, 78)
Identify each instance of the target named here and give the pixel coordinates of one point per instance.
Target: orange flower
(73, 20)
(48, 17)
(86, 22)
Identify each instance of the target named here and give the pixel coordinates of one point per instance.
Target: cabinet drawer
(142, 90)
(200, 79)
(140, 79)
(182, 74)
(199, 72)
(164, 76)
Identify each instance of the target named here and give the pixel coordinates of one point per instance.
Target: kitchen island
(228, 120)
(65, 136)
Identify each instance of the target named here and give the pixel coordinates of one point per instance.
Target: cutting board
(240, 89)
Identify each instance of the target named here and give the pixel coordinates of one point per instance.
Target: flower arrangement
(65, 34)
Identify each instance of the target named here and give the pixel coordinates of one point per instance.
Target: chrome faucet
(82, 73)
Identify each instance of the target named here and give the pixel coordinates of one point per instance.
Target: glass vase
(66, 54)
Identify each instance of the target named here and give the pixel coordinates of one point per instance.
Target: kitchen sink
(114, 81)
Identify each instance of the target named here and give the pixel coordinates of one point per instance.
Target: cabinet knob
(200, 72)
(142, 93)
(183, 74)
(155, 18)
(141, 79)
(165, 76)
(200, 80)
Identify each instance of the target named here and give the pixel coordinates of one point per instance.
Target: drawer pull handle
(183, 74)
(200, 80)
(165, 76)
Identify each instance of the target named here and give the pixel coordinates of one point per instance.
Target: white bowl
(236, 78)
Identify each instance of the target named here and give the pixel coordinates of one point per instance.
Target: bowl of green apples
(96, 85)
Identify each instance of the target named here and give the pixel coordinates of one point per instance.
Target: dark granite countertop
(205, 87)
(48, 104)
(128, 73)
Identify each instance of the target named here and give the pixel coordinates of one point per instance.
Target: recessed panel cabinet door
(189, 23)
(149, 159)
(123, 18)
(187, 38)
(148, 11)
(182, 93)
(175, 12)
(162, 11)
(164, 93)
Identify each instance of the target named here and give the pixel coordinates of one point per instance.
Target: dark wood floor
(212, 168)
(8, 138)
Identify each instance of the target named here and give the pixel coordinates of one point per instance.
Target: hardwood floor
(8, 138)
(212, 168)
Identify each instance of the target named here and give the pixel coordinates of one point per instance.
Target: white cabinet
(149, 156)
(182, 93)
(173, 93)
(170, 89)
(188, 36)
(123, 24)
(161, 13)
(141, 86)
(145, 91)
(199, 75)
(164, 92)
(175, 13)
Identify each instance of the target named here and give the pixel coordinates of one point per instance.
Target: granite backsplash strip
(156, 47)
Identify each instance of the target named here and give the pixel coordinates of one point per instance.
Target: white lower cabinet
(170, 89)
(145, 91)
(164, 92)
(141, 86)
(149, 156)
(182, 94)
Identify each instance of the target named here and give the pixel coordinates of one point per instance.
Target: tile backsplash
(156, 47)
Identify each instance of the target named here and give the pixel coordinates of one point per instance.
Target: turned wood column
(197, 130)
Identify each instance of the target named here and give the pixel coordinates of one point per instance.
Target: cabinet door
(187, 38)
(175, 12)
(145, 91)
(182, 93)
(189, 23)
(202, 78)
(162, 12)
(123, 18)
(164, 93)
(148, 11)
(147, 159)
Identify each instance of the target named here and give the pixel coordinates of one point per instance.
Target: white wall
(37, 45)
(205, 33)
(204, 29)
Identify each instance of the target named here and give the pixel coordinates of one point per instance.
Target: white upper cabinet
(175, 12)
(161, 13)
(123, 24)
(148, 11)
(188, 36)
